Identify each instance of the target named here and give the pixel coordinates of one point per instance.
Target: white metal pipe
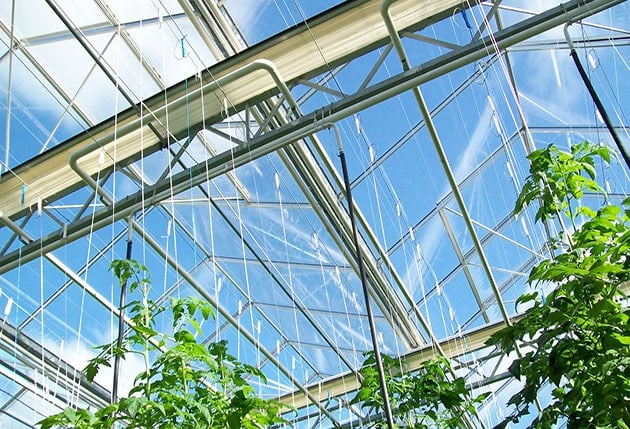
(426, 114)
(76, 156)
(352, 104)
(261, 64)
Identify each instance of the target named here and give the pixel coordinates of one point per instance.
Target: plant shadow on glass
(185, 383)
(575, 340)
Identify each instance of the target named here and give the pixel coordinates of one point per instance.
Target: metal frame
(282, 129)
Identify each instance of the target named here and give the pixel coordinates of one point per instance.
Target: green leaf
(576, 335)
(184, 336)
(604, 306)
(525, 298)
(515, 369)
(174, 391)
(623, 339)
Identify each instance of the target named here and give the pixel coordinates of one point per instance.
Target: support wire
(7, 142)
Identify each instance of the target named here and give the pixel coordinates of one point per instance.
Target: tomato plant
(424, 398)
(576, 338)
(186, 384)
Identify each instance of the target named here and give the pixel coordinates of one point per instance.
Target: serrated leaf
(526, 297)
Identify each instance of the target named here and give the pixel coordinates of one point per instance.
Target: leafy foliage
(188, 385)
(423, 399)
(577, 338)
(557, 178)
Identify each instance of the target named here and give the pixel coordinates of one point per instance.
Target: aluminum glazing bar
(296, 129)
(130, 42)
(299, 53)
(428, 120)
(234, 322)
(349, 382)
(464, 264)
(201, 29)
(35, 356)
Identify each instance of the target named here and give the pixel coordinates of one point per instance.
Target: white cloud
(77, 354)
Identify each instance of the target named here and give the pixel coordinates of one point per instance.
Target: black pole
(368, 306)
(121, 319)
(600, 106)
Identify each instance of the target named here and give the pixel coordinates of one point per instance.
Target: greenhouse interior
(329, 186)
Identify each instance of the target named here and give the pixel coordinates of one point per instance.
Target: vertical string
(400, 214)
(419, 257)
(216, 280)
(171, 225)
(242, 236)
(190, 177)
(41, 315)
(335, 334)
(7, 139)
(294, 298)
(141, 107)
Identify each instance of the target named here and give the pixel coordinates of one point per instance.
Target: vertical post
(121, 316)
(387, 409)
(595, 97)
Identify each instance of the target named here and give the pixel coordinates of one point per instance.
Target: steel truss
(257, 83)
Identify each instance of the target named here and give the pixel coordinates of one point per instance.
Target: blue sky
(290, 262)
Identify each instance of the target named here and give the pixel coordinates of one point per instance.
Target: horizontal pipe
(307, 124)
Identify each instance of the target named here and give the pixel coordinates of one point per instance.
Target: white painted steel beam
(349, 382)
(298, 53)
(46, 165)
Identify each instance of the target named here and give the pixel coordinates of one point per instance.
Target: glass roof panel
(260, 19)
(25, 25)
(270, 241)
